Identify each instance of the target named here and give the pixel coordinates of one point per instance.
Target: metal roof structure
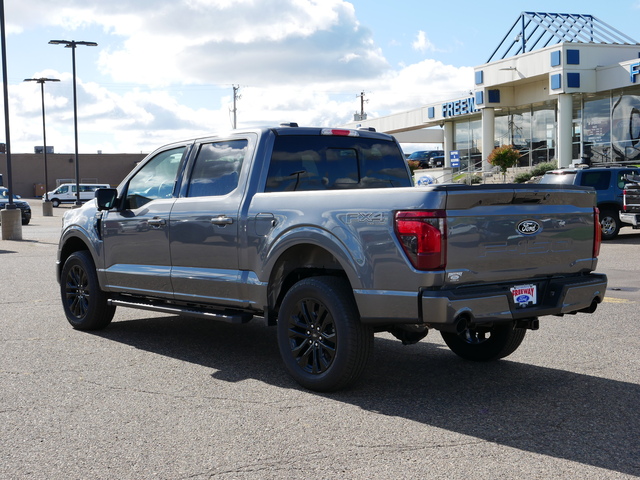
(534, 30)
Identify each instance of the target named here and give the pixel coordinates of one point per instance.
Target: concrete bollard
(47, 209)
(11, 224)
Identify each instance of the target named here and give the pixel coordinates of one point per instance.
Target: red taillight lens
(422, 234)
(597, 234)
(624, 200)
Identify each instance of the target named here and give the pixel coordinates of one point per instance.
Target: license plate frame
(524, 295)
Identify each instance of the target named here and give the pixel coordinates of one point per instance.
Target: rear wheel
(610, 224)
(483, 344)
(322, 342)
(85, 305)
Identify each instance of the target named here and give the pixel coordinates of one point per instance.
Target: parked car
(66, 193)
(424, 157)
(23, 205)
(436, 161)
(608, 182)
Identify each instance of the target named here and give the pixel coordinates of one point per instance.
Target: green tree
(504, 157)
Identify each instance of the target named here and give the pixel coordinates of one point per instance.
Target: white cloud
(159, 60)
(422, 43)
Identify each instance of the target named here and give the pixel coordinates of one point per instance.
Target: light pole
(72, 45)
(10, 215)
(47, 211)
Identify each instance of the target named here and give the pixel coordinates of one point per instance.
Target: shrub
(522, 177)
(543, 168)
(413, 165)
(504, 157)
(536, 171)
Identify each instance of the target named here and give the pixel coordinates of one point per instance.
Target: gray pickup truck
(321, 233)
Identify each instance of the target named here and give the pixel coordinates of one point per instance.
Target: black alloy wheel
(85, 304)
(322, 342)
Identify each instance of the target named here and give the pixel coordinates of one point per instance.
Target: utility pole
(361, 115)
(236, 97)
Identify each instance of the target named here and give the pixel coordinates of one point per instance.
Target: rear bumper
(630, 218)
(445, 309)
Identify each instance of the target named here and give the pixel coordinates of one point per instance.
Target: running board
(229, 316)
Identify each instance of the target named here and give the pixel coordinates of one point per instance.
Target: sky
(164, 70)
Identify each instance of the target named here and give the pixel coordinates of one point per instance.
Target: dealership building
(562, 87)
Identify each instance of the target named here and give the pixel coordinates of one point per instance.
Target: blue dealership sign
(454, 156)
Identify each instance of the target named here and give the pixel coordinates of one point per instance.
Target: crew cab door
(136, 236)
(205, 224)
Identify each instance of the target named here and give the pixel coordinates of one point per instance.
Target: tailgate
(632, 198)
(515, 232)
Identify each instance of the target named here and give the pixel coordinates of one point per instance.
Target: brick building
(28, 170)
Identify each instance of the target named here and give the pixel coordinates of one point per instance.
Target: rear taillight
(624, 200)
(422, 234)
(597, 233)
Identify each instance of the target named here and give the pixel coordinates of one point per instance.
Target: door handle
(222, 220)
(157, 222)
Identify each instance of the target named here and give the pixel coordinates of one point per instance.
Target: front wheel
(322, 342)
(55, 202)
(610, 224)
(85, 305)
(483, 344)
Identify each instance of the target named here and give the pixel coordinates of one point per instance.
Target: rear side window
(308, 162)
(559, 178)
(597, 180)
(217, 168)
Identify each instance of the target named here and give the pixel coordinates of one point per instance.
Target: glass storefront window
(467, 140)
(625, 127)
(596, 129)
(515, 129)
(543, 134)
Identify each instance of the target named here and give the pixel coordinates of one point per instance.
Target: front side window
(217, 168)
(155, 179)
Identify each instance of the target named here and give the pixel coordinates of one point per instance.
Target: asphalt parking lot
(163, 397)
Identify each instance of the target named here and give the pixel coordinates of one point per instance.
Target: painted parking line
(616, 300)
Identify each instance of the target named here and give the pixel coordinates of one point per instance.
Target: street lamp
(46, 210)
(72, 45)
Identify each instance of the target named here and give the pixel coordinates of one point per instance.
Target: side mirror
(106, 198)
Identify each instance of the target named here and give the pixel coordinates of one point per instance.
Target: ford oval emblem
(528, 227)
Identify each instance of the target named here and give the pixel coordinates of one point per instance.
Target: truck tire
(483, 344)
(610, 224)
(323, 345)
(55, 202)
(85, 305)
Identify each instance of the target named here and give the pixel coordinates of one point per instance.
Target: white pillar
(448, 142)
(488, 136)
(564, 150)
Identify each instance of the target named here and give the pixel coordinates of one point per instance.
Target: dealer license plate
(524, 295)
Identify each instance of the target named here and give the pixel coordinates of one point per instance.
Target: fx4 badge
(366, 217)
(528, 227)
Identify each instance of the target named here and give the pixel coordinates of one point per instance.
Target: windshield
(561, 178)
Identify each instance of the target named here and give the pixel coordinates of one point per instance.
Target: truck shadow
(545, 411)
